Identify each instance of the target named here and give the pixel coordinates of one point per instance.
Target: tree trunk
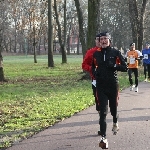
(50, 35)
(1, 69)
(63, 46)
(34, 44)
(82, 34)
(93, 22)
(68, 43)
(1, 74)
(2, 78)
(64, 57)
(141, 25)
(134, 20)
(61, 42)
(1, 59)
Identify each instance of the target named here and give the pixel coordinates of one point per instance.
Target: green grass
(36, 97)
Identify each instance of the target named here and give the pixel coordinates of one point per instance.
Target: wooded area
(36, 27)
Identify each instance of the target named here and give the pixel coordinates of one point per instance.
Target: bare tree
(61, 30)
(112, 15)
(137, 21)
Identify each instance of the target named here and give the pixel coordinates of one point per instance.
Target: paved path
(80, 131)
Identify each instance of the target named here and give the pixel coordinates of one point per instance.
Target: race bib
(145, 56)
(132, 60)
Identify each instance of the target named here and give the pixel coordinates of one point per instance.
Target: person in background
(107, 61)
(87, 66)
(146, 61)
(132, 62)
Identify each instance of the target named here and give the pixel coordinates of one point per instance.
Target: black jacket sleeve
(122, 66)
(93, 68)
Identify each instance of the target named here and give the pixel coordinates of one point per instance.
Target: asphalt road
(80, 131)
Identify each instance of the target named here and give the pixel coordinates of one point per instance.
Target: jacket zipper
(104, 55)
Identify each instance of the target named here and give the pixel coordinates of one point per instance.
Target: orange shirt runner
(132, 57)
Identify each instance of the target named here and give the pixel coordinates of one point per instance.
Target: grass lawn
(36, 97)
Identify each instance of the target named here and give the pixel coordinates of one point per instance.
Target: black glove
(94, 72)
(121, 68)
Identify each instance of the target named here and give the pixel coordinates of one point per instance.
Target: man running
(106, 62)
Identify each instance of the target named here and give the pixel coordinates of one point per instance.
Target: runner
(87, 66)
(146, 61)
(132, 61)
(106, 62)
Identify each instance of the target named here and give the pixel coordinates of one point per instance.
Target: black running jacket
(106, 63)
